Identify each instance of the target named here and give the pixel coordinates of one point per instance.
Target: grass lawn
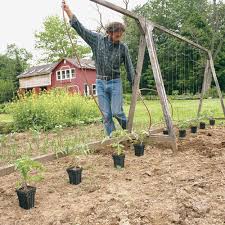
(182, 110)
(6, 118)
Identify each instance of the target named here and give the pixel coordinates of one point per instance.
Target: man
(109, 54)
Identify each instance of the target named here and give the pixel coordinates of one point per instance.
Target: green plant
(204, 115)
(194, 122)
(139, 137)
(182, 125)
(51, 109)
(119, 148)
(211, 114)
(29, 171)
(117, 137)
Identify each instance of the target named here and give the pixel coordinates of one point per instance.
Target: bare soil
(157, 189)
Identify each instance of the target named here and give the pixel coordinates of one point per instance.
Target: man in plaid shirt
(109, 54)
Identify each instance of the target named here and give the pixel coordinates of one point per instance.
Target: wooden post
(212, 68)
(205, 79)
(148, 28)
(141, 54)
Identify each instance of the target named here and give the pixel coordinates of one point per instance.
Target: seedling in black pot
(75, 172)
(26, 193)
(202, 125)
(182, 129)
(212, 121)
(203, 117)
(139, 146)
(194, 125)
(75, 175)
(118, 156)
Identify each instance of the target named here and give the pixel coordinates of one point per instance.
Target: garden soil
(157, 189)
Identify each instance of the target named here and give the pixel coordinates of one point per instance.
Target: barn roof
(48, 68)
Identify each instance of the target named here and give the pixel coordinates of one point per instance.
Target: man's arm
(88, 36)
(129, 66)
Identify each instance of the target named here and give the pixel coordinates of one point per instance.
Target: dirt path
(157, 189)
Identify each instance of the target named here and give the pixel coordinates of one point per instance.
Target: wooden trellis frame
(146, 27)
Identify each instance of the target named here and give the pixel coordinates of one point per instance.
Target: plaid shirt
(108, 56)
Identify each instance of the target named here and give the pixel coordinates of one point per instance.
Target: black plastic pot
(75, 175)
(182, 133)
(118, 160)
(212, 122)
(139, 149)
(26, 197)
(194, 129)
(165, 132)
(202, 125)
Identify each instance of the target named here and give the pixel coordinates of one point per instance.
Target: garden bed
(158, 188)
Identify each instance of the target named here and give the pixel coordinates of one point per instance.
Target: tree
(14, 62)
(20, 59)
(181, 64)
(54, 42)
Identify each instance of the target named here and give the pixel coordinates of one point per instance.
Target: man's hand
(66, 8)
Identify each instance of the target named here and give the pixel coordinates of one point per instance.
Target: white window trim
(95, 89)
(70, 78)
(88, 90)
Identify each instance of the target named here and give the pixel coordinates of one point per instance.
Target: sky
(20, 19)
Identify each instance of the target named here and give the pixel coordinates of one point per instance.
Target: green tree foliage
(7, 90)
(182, 65)
(54, 42)
(12, 63)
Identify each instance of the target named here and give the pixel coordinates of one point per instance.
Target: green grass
(182, 110)
(6, 118)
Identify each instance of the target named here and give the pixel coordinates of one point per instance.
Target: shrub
(25, 166)
(51, 109)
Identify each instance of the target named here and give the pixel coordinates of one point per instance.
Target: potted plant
(182, 129)
(203, 117)
(139, 146)
(212, 121)
(29, 171)
(118, 156)
(194, 125)
(165, 131)
(75, 172)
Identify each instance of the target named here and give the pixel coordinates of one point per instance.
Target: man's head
(115, 31)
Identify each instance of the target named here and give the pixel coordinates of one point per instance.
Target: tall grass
(50, 109)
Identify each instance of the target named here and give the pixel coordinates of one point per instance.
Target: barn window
(72, 72)
(65, 74)
(68, 74)
(58, 75)
(86, 90)
(94, 90)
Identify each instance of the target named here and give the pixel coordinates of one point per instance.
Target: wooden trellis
(146, 40)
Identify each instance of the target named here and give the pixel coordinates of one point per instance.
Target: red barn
(65, 74)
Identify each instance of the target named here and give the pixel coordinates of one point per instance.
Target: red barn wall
(75, 84)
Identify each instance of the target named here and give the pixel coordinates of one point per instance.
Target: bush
(51, 109)
(211, 93)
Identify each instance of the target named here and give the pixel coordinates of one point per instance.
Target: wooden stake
(148, 28)
(141, 54)
(211, 63)
(206, 73)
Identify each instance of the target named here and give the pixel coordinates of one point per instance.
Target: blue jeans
(110, 98)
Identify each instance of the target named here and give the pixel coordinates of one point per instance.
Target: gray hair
(115, 27)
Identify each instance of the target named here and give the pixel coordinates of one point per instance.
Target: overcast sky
(19, 19)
